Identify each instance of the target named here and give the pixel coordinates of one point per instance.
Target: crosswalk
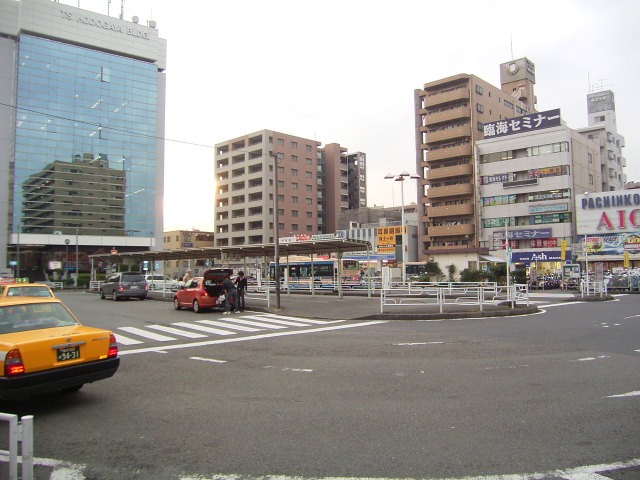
(200, 329)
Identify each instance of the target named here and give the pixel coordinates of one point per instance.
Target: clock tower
(517, 78)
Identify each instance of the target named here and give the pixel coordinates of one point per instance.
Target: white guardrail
(20, 435)
(453, 294)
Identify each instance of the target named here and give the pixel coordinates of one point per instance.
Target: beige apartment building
(449, 116)
(313, 183)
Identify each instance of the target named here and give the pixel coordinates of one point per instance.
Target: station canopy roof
(239, 252)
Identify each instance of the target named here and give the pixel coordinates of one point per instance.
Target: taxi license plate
(68, 353)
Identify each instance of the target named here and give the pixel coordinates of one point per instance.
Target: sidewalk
(355, 307)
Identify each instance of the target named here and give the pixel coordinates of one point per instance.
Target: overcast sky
(344, 71)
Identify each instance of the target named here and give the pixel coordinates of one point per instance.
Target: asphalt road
(541, 394)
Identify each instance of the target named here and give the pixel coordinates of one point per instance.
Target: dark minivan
(124, 285)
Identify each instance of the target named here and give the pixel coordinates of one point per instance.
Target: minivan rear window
(132, 277)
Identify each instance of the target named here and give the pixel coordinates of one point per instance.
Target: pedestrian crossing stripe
(203, 328)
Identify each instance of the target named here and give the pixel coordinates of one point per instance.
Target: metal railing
(20, 445)
(479, 294)
(592, 288)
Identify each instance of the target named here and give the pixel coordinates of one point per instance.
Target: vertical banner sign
(563, 254)
(627, 259)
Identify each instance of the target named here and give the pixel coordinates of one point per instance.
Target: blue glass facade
(85, 150)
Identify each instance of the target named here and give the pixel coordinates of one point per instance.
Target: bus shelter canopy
(308, 247)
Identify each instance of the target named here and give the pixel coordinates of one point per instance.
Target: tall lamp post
(276, 240)
(401, 178)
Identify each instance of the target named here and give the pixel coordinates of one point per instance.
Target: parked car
(43, 348)
(203, 292)
(25, 290)
(124, 285)
(161, 282)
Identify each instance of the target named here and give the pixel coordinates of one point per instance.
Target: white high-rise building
(603, 130)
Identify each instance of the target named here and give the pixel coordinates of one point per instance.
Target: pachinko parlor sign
(608, 212)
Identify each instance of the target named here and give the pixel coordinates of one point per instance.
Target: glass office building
(81, 122)
(93, 115)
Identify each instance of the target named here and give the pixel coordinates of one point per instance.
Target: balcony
(447, 115)
(451, 152)
(451, 210)
(447, 172)
(448, 134)
(450, 191)
(447, 97)
(451, 230)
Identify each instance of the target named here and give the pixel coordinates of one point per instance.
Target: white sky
(344, 71)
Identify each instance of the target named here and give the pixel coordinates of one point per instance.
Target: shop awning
(491, 258)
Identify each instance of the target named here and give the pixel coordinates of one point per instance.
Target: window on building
(294, 186)
(280, 184)
(309, 188)
(280, 169)
(294, 199)
(480, 107)
(479, 89)
(309, 161)
(309, 228)
(308, 174)
(308, 200)
(294, 213)
(294, 145)
(309, 214)
(308, 148)
(280, 141)
(590, 179)
(294, 227)
(294, 172)
(294, 158)
(590, 157)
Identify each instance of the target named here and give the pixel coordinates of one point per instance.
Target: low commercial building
(608, 229)
(531, 168)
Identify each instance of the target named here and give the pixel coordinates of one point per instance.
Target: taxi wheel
(196, 306)
(102, 297)
(176, 303)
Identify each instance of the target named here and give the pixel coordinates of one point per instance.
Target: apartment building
(603, 129)
(313, 183)
(529, 175)
(450, 114)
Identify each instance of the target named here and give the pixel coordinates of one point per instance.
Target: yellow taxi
(25, 290)
(44, 348)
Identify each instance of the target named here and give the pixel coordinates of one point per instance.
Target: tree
(452, 271)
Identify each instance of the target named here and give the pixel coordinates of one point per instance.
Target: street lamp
(400, 178)
(276, 241)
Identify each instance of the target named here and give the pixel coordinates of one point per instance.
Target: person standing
(230, 295)
(187, 276)
(241, 284)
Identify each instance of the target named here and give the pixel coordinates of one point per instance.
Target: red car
(203, 292)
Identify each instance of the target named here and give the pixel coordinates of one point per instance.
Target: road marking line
(144, 333)
(284, 317)
(288, 323)
(579, 473)
(257, 324)
(212, 360)
(126, 340)
(176, 331)
(628, 394)
(253, 337)
(229, 325)
(416, 343)
(562, 304)
(201, 328)
(587, 359)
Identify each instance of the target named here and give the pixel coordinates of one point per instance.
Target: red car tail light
(120, 288)
(113, 347)
(204, 293)
(13, 363)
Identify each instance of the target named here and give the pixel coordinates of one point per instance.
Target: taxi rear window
(36, 316)
(29, 292)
